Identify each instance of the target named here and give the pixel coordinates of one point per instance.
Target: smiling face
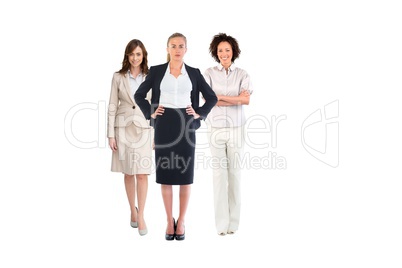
(225, 53)
(135, 57)
(177, 48)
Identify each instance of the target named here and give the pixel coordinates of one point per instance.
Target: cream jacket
(123, 110)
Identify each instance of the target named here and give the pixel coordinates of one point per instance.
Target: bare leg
(167, 195)
(129, 183)
(142, 189)
(185, 191)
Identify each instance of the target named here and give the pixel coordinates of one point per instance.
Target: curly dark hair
(133, 44)
(222, 37)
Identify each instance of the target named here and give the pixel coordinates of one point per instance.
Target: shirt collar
(232, 67)
(183, 69)
(129, 75)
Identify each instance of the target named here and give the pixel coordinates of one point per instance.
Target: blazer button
(134, 107)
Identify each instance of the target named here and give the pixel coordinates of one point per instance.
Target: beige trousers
(226, 145)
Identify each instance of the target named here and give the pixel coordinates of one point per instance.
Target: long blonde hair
(173, 36)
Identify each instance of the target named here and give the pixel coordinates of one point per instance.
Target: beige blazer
(123, 110)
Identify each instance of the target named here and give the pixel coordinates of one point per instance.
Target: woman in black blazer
(175, 114)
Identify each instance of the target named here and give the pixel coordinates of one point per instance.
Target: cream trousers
(226, 145)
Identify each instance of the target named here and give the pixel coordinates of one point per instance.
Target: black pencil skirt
(174, 147)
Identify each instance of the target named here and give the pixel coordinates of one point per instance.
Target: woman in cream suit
(129, 133)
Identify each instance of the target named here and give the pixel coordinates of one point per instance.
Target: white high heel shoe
(134, 224)
(143, 232)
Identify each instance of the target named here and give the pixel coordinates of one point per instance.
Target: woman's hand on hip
(159, 111)
(190, 111)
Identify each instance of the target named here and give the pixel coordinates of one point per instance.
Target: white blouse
(228, 84)
(175, 92)
(135, 82)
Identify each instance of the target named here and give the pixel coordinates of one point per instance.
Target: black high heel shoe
(170, 237)
(180, 236)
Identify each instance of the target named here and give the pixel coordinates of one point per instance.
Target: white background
(61, 206)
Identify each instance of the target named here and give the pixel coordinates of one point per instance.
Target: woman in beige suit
(129, 133)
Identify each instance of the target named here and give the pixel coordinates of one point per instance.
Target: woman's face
(177, 48)
(225, 53)
(135, 57)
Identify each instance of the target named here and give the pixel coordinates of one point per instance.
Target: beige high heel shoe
(143, 231)
(134, 224)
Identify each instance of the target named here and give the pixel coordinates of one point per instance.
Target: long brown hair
(133, 44)
(173, 36)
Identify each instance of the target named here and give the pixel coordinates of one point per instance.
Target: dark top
(153, 81)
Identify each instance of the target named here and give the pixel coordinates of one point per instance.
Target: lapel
(192, 78)
(156, 88)
(127, 89)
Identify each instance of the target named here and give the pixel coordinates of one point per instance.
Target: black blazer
(154, 79)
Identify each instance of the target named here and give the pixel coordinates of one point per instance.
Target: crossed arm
(242, 99)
